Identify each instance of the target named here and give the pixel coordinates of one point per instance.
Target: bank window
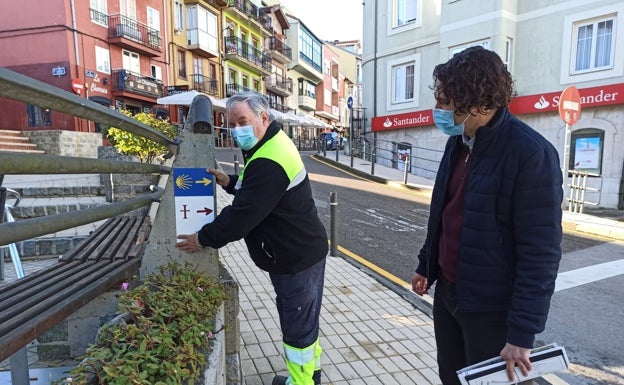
(404, 14)
(402, 92)
(586, 147)
(403, 82)
(594, 45)
(102, 60)
(592, 51)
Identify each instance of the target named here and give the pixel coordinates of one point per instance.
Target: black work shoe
(281, 380)
(317, 377)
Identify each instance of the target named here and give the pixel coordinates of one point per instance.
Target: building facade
(129, 54)
(547, 47)
(111, 52)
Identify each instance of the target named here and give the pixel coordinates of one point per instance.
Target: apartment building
(109, 51)
(547, 46)
(194, 56)
(131, 54)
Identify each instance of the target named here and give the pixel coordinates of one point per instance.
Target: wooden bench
(34, 304)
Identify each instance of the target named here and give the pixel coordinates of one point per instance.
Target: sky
(329, 19)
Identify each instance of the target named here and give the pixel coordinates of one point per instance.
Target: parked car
(331, 141)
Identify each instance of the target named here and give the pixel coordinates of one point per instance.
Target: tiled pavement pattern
(370, 334)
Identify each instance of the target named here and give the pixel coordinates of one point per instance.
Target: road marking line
(589, 274)
(386, 274)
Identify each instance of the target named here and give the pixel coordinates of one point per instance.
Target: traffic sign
(193, 190)
(77, 85)
(570, 105)
(350, 102)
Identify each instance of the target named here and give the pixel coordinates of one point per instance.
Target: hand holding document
(544, 360)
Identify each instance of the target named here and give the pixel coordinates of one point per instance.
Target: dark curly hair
(473, 77)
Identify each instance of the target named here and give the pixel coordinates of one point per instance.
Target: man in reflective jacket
(273, 210)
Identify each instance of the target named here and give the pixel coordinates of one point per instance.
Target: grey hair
(256, 102)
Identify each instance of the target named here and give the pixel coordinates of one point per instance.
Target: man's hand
(221, 178)
(419, 284)
(516, 355)
(189, 243)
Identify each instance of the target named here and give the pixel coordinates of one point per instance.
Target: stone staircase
(43, 195)
(14, 141)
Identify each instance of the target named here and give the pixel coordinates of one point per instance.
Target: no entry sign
(570, 105)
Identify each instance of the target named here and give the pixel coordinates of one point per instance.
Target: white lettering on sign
(600, 97)
(408, 121)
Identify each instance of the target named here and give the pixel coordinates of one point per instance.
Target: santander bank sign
(530, 104)
(590, 97)
(407, 120)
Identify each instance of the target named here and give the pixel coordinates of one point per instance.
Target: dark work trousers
(298, 299)
(464, 338)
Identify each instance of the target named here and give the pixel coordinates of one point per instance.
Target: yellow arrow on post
(204, 181)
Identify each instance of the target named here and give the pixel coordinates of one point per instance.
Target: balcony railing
(279, 83)
(231, 89)
(99, 17)
(236, 47)
(280, 107)
(257, 14)
(124, 80)
(205, 84)
(120, 26)
(278, 47)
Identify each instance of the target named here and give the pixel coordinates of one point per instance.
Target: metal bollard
(333, 222)
(407, 168)
(235, 165)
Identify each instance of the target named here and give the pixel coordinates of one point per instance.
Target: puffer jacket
(511, 235)
(280, 225)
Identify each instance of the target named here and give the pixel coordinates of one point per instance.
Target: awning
(186, 98)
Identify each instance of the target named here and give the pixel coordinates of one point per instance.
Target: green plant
(168, 328)
(144, 149)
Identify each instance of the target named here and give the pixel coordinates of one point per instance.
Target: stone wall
(119, 187)
(66, 143)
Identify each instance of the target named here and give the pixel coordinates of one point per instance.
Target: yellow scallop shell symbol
(183, 182)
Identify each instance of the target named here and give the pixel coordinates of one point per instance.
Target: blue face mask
(245, 137)
(445, 121)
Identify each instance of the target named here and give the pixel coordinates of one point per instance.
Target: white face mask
(445, 121)
(245, 137)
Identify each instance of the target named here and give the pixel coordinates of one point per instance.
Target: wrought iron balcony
(236, 48)
(131, 34)
(205, 84)
(132, 82)
(279, 84)
(255, 13)
(231, 89)
(279, 50)
(99, 17)
(280, 107)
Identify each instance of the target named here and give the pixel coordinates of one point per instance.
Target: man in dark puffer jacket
(494, 234)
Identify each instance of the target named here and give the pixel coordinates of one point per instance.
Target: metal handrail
(36, 227)
(16, 164)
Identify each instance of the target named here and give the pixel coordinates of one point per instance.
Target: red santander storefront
(596, 139)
